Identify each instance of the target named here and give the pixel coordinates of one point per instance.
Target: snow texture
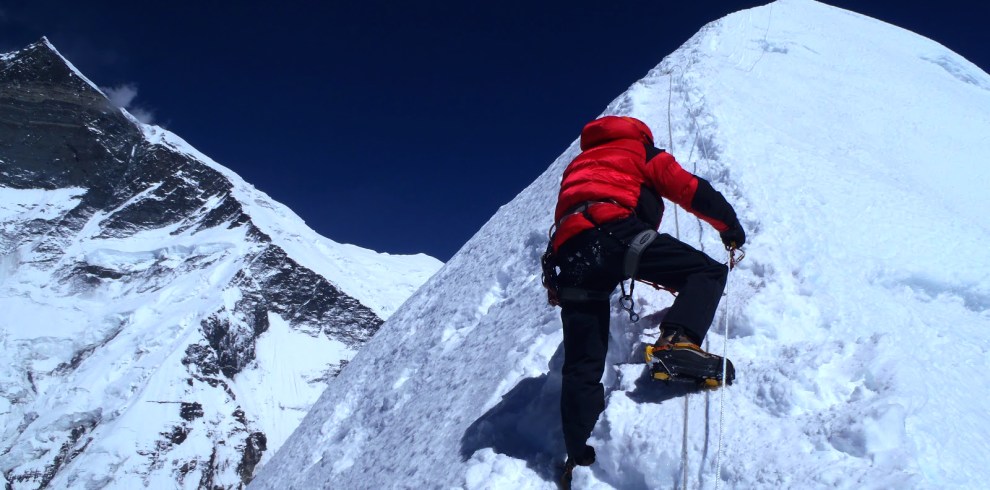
(859, 323)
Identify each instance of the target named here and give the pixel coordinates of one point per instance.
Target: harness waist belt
(581, 209)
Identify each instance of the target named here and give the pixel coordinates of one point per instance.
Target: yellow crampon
(649, 354)
(661, 374)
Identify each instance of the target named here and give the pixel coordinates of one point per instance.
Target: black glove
(734, 237)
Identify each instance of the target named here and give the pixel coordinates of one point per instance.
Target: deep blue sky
(397, 126)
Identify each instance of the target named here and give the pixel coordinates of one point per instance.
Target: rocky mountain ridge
(166, 323)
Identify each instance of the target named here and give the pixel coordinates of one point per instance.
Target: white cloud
(142, 114)
(123, 96)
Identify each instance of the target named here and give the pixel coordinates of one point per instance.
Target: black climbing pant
(593, 260)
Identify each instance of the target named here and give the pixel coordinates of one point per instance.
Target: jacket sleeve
(690, 192)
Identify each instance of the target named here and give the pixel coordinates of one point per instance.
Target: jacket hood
(610, 128)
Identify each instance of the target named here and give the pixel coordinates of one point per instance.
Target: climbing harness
(555, 293)
(548, 263)
(634, 250)
(631, 268)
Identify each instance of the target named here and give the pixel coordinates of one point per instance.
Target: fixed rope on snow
(733, 260)
(725, 351)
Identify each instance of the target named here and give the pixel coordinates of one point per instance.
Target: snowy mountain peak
(859, 322)
(48, 62)
(165, 323)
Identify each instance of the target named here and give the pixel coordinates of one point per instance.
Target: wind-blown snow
(855, 153)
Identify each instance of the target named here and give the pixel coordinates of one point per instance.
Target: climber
(610, 203)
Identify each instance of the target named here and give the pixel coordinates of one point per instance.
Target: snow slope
(855, 153)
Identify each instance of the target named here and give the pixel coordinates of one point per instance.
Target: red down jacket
(619, 172)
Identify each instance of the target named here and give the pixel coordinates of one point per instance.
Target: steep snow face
(854, 152)
(164, 323)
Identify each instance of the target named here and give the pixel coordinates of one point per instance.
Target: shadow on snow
(648, 390)
(525, 425)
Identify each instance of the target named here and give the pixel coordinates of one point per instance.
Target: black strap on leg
(635, 250)
(631, 268)
(579, 295)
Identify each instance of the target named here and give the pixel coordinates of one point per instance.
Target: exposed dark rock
(178, 435)
(331, 372)
(49, 118)
(310, 302)
(30, 378)
(186, 468)
(57, 131)
(233, 344)
(162, 187)
(240, 416)
(313, 301)
(207, 480)
(191, 411)
(86, 351)
(98, 272)
(201, 360)
(72, 447)
(254, 448)
(159, 455)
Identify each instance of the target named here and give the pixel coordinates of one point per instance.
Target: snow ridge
(860, 319)
(379, 280)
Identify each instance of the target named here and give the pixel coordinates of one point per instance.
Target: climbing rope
(764, 51)
(725, 355)
(684, 445)
(626, 299)
(733, 261)
(670, 140)
(677, 234)
(670, 125)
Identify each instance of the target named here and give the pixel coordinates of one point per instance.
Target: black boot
(670, 335)
(675, 356)
(586, 459)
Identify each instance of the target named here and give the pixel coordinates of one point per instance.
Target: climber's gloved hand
(734, 237)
